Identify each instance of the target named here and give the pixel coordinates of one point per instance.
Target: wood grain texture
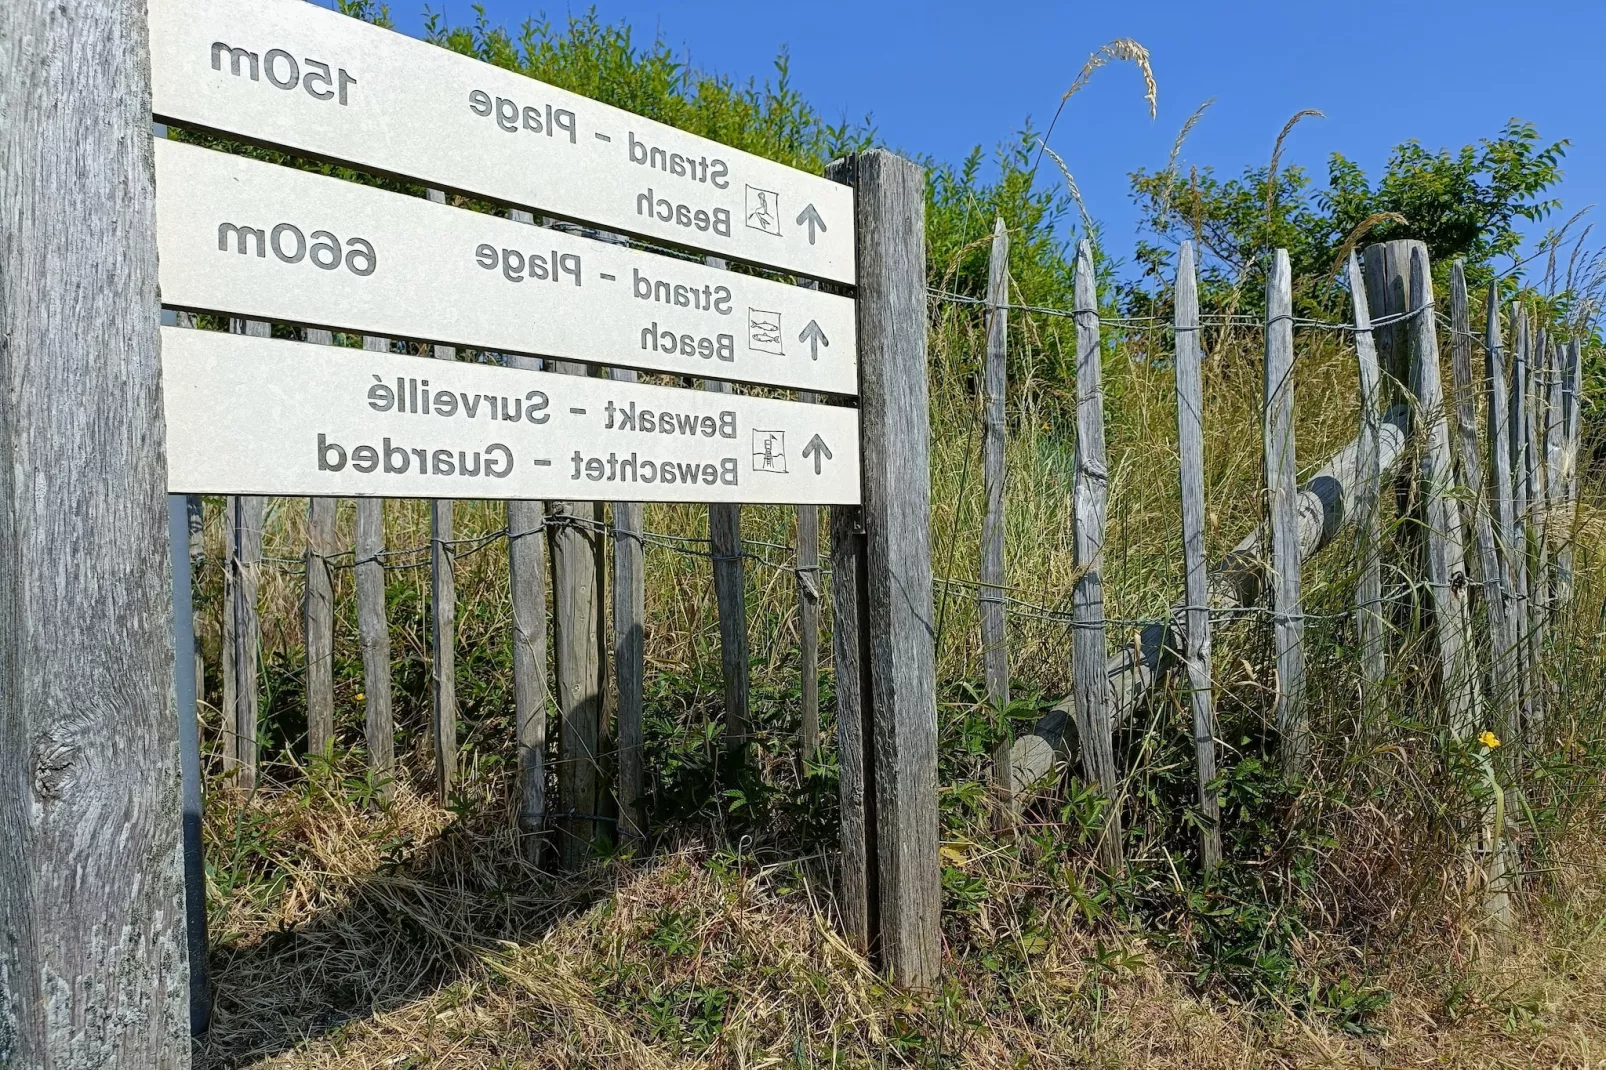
(527, 583)
(93, 966)
(443, 621)
(1476, 500)
(575, 541)
(1538, 548)
(895, 608)
(1567, 516)
(1282, 513)
(318, 625)
(1518, 418)
(630, 655)
(373, 630)
(1238, 580)
(995, 384)
(1196, 614)
(1368, 490)
(1090, 500)
(730, 591)
(1446, 555)
(245, 628)
(1506, 668)
(860, 895)
(806, 560)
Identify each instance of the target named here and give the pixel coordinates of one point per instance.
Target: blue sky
(940, 77)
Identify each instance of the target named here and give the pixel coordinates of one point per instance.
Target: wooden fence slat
(629, 631)
(527, 581)
(527, 592)
(886, 572)
(373, 630)
(725, 542)
(995, 383)
(1368, 490)
(1572, 400)
(1555, 492)
(1538, 551)
(1196, 634)
(1521, 489)
(318, 608)
(1506, 674)
(443, 621)
(575, 544)
(245, 567)
(1446, 555)
(1282, 500)
(1091, 499)
(1488, 571)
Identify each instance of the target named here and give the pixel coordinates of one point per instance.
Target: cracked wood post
(881, 592)
(1555, 419)
(575, 545)
(629, 654)
(93, 959)
(1572, 400)
(244, 626)
(443, 622)
(1490, 571)
(1534, 462)
(994, 637)
(1196, 634)
(806, 560)
(1091, 499)
(1282, 503)
(725, 542)
(1368, 492)
(373, 630)
(1507, 668)
(318, 610)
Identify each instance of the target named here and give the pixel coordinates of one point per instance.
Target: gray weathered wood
(629, 653)
(93, 966)
(1196, 633)
(725, 542)
(1572, 401)
(318, 619)
(1518, 417)
(1238, 580)
(856, 757)
(245, 569)
(226, 729)
(1506, 669)
(1538, 548)
(1446, 554)
(1090, 500)
(527, 591)
(373, 630)
(806, 560)
(1555, 492)
(1282, 513)
(195, 511)
(318, 609)
(1488, 569)
(890, 615)
(1368, 491)
(994, 638)
(575, 541)
(443, 621)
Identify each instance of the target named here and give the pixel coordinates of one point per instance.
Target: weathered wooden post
(1572, 401)
(1368, 491)
(1091, 492)
(1519, 416)
(318, 609)
(994, 637)
(1507, 668)
(1196, 615)
(373, 629)
(1282, 513)
(881, 591)
(730, 598)
(526, 562)
(630, 654)
(806, 560)
(93, 965)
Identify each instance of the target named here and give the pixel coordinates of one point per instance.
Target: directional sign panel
(289, 73)
(252, 415)
(254, 239)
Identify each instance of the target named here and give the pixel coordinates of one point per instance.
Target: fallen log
(1236, 582)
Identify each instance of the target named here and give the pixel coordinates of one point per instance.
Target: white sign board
(252, 415)
(253, 239)
(288, 73)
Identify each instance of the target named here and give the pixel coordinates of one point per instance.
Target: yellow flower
(1489, 739)
(361, 696)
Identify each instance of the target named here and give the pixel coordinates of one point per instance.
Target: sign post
(93, 964)
(881, 561)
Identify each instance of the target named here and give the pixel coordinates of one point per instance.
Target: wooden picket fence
(1488, 534)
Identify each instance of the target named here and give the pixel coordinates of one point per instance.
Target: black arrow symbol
(811, 216)
(815, 338)
(817, 449)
